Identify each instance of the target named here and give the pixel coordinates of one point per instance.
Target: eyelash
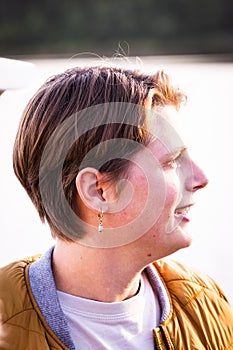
(173, 163)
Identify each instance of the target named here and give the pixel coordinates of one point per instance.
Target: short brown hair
(71, 93)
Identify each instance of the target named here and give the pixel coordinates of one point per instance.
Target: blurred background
(151, 27)
(191, 39)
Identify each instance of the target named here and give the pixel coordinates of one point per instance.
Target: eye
(172, 163)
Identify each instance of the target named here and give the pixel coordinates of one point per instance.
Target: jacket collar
(160, 290)
(45, 294)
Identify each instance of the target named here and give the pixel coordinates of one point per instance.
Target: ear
(89, 190)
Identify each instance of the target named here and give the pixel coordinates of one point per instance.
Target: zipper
(161, 341)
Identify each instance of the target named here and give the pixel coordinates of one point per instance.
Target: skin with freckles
(161, 178)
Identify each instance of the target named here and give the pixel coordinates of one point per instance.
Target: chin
(182, 238)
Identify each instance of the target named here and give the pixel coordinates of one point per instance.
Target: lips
(182, 211)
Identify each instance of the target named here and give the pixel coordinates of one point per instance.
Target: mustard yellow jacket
(195, 312)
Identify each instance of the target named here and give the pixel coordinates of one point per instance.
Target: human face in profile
(163, 179)
(150, 205)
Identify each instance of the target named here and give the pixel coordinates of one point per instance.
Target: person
(16, 74)
(101, 154)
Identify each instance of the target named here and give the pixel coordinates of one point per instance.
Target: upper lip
(184, 207)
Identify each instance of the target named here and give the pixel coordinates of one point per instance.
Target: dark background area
(150, 27)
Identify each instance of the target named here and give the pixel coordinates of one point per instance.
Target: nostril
(198, 180)
(197, 185)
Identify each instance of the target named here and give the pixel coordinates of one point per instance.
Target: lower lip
(185, 219)
(182, 218)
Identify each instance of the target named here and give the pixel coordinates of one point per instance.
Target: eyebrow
(173, 153)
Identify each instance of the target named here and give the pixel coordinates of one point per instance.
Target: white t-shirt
(120, 325)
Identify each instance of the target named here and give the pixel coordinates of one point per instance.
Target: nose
(197, 179)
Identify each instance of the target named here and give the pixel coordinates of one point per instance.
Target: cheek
(152, 195)
(173, 192)
(166, 220)
(139, 196)
(149, 195)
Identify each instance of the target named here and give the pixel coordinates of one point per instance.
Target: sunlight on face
(154, 189)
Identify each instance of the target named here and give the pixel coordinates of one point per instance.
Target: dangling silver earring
(100, 216)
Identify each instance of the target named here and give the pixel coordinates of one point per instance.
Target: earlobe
(87, 186)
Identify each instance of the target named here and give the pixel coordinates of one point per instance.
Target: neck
(106, 275)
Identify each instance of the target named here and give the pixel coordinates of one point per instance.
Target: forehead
(167, 130)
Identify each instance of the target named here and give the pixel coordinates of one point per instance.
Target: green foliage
(149, 26)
